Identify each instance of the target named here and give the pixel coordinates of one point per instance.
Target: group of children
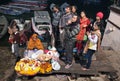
(74, 31)
(79, 32)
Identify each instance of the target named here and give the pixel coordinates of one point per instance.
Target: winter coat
(64, 19)
(56, 18)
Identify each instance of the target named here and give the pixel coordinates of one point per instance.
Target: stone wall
(111, 36)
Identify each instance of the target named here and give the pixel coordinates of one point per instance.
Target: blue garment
(40, 37)
(88, 56)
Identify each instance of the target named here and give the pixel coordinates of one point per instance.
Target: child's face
(95, 27)
(82, 14)
(74, 18)
(14, 29)
(73, 9)
(97, 18)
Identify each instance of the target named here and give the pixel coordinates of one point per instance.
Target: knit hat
(100, 14)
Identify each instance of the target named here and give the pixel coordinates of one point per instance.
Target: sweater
(93, 42)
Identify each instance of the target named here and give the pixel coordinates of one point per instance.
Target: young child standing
(16, 41)
(92, 45)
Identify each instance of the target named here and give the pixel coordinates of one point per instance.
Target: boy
(71, 31)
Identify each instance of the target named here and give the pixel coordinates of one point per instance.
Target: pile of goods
(44, 57)
(27, 67)
(30, 67)
(45, 67)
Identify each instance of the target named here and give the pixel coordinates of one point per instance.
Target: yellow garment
(92, 46)
(98, 43)
(34, 42)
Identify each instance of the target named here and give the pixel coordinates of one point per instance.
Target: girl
(84, 22)
(92, 45)
(99, 21)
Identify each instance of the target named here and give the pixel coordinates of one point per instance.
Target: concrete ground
(7, 67)
(114, 58)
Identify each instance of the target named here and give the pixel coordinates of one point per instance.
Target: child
(16, 41)
(10, 40)
(71, 31)
(84, 23)
(92, 45)
(99, 21)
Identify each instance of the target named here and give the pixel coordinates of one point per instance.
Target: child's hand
(10, 31)
(84, 25)
(88, 33)
(69, 22)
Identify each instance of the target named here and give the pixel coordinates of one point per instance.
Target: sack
(85, 38)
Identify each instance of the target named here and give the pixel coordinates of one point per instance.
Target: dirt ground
(7, 61)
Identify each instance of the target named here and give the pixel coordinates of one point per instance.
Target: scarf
(98, 42)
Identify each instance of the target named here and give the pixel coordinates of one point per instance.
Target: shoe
(68, 66)
(84, 69)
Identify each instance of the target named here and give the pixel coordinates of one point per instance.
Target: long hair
(13, 23)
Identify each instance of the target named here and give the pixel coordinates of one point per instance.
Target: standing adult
(55, 22)
(63, 22)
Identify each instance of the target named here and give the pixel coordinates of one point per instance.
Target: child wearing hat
(99, 21)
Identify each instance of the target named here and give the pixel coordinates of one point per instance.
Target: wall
(111, 36)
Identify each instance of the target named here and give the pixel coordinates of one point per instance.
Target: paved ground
(114, 58)
(7, 62)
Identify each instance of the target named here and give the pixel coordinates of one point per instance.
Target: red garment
(16, 37)
(80, 36)
(23, 39)
(100, 14)
(79, 46)
(83, 21)
(10, 40)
